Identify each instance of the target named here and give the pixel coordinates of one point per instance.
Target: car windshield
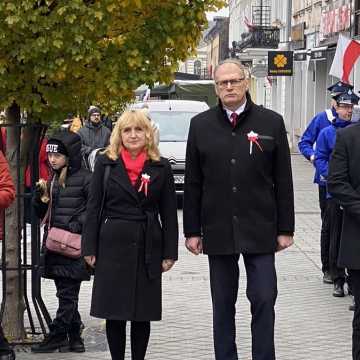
(173, 125)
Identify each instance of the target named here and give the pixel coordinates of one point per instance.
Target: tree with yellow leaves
(59, 56)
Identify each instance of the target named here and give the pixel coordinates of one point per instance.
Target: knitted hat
(94, 110)
(56, 146)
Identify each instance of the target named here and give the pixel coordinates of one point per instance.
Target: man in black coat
(238, 199)
(344, 185)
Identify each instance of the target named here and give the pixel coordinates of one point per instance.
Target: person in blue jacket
(333, 214)
(306, 147)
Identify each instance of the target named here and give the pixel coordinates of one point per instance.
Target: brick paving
(310, 323)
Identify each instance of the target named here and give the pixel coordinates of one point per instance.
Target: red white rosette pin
(145, 179)
(253, 138)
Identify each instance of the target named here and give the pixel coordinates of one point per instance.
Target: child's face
(56, 160)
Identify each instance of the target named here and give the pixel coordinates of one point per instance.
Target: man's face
(95, 118)
(231, 85)
(344, 111)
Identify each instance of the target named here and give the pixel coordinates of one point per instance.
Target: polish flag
(346, 55)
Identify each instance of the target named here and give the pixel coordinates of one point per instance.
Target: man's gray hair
(234, 61)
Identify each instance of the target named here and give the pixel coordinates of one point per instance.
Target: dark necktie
(234, 118)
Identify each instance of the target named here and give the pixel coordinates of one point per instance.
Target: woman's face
(56, 160)
(133, 138)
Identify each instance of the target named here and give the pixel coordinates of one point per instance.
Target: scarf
(133, 166)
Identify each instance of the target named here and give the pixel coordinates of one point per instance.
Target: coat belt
(148, 217)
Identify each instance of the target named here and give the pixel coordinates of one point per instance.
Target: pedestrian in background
(343, 185)
(238, 199)
(94, 134)
(69, 189)
(136, 238)
(333, 214)
(7, 196)
(307, 148)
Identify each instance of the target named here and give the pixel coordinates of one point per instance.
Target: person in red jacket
(7, 189)
(44, 173)
(7, 196)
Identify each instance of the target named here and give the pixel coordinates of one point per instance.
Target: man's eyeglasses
(346, 106)
(95, 115)
(233, 83)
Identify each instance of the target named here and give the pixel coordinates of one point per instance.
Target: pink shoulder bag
(61, 241)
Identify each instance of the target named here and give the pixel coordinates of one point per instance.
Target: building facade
(217, 40)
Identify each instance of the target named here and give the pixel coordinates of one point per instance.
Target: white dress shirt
(238, 111)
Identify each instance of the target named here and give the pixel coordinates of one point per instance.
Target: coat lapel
(122, 178)
(153, 169)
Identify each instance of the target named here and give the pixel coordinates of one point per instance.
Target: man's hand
(90, 260)
(312, 158)
(194, 244)
(284, 241)
(167, 264)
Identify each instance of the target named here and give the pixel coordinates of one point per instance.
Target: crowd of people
(107, 201)
(337, 176)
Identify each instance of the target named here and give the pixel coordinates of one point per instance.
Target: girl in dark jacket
(70, 186)
(136, 239)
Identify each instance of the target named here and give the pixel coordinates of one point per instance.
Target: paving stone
(310, 323)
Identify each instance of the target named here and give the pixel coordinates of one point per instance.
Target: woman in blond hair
(136, 238)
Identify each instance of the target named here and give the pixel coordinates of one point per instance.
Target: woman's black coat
(344, 185)
(130, 241)
(239, 202)
(68, 211)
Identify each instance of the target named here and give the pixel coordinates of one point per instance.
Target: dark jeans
(325, 234)
(334, 216)
(355, 282)
(67, 318)
(261, 291)
(116, 337)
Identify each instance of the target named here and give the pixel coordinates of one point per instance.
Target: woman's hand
(90, 260)
(167, 264)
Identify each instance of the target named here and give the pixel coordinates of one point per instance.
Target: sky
(222, 12)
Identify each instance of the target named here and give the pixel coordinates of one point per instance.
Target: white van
(173, 120)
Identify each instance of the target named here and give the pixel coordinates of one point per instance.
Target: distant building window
(197, 67)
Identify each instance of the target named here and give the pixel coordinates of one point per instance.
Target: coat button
(234, 189)
(233, 161)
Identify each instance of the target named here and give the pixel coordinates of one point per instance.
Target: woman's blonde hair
(75, 125)
(132, 118)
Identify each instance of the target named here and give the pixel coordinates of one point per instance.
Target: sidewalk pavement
(310, 323)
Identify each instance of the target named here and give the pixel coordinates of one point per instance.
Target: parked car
(172, 117)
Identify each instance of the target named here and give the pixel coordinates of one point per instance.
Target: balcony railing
(267, 37)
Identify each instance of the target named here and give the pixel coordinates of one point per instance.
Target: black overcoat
(239, 202)
(344, 185)
(134, 235)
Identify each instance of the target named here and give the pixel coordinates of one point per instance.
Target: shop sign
(334, 21)
(280, 63)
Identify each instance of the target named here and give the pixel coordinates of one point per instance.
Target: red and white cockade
(253, 138)
(145, 180)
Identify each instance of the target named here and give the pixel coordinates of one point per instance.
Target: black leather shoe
(327, 278)
(338, 290)
(352, 306)
(76, 344)
(52, 342)
(7, 354)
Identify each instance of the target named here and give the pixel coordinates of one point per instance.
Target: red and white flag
(346, 55)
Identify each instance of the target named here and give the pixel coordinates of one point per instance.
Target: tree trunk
(13, 319)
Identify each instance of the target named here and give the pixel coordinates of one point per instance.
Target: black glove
(38, 193)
